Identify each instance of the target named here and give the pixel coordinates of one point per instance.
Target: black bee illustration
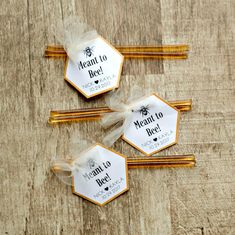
(91, 163)
(88, 51)
(144, 110)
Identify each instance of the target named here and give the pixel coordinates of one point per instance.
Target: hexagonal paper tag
(153, 125)
(103, 177)
(98, 69)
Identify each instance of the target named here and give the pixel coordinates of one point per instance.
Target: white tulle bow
(74, 35)
(120, 119)
(66, 169)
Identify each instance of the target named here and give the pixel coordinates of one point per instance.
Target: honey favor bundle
(100, 174)
(93, 66)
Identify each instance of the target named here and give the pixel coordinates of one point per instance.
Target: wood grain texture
(198, 201)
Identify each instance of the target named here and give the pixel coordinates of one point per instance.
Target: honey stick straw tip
(51, 121)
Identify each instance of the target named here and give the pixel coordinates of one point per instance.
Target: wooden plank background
(199, 201)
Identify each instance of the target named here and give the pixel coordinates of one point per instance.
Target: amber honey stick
(133, 52)
(61, 116)
(170, 161)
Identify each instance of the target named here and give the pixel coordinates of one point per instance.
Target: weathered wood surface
(198, 201)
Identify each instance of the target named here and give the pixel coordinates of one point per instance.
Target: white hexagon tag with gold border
(103, 177)
(98, 69)
(153, 125)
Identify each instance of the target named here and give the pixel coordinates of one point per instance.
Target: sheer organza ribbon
(85, 156)
(119, 120)
(74, 35)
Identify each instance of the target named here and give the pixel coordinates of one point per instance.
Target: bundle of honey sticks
(63, 116)
(162, 161)
(133, 52)
(170, 161)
